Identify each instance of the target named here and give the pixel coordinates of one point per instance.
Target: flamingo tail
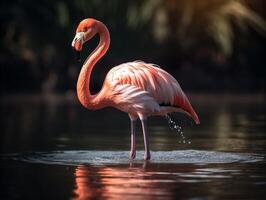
(186, 106)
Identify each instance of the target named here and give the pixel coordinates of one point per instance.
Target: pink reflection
(122, 182)
(85, 186)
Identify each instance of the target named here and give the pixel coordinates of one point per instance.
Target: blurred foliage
(222, 28)
(206, 44)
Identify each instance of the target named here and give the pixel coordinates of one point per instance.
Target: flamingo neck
(85, 97)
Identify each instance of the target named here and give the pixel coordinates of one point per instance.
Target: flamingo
(137, 88)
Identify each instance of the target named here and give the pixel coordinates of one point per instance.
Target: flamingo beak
(78, 41)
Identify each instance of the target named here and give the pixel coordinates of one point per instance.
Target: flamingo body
(137, 88)
(142, 89)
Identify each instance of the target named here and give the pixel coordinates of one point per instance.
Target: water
(74, 158)
(58, 150)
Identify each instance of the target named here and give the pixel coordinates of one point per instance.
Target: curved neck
(89, 101)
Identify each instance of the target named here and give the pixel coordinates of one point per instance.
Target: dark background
(208, 45)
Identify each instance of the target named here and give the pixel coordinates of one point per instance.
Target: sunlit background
(214, 48)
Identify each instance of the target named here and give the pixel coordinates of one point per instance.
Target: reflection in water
(152, 181)
(85, 186)
(122, 183)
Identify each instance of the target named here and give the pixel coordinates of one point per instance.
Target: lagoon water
(58, 150)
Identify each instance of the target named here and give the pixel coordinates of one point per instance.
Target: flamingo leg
(147, 154)
(133, 139)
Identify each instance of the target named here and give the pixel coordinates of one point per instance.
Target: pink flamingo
(137, 88)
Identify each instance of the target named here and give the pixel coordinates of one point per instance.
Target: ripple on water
(121, 157)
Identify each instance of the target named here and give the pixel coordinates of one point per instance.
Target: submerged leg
(133, 139)
(147, 154)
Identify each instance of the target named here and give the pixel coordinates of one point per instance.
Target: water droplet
(174, 127)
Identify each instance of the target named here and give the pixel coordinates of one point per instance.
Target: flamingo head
(86, 29)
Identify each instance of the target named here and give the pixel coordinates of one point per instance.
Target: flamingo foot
(147, 156)
(132, 154)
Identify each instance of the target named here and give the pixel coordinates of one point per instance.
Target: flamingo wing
(141, 82)
(134, 100)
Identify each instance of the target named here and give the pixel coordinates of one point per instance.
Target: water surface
(58, 150)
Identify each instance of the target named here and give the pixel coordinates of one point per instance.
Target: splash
(174, 127)
(74, 158)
